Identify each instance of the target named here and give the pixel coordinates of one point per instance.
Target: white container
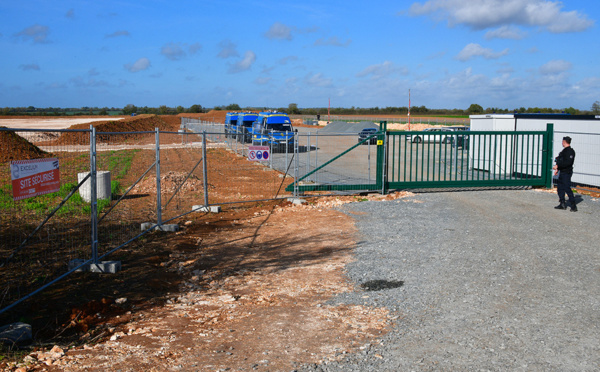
(102, 186)
(583, 129)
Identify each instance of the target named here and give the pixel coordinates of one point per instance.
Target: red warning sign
(258, 153)
(34, 177)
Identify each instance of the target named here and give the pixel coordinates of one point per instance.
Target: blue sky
(449, 53)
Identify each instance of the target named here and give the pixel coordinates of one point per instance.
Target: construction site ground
(245, 289)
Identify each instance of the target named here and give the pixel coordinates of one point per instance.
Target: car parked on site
(369, 133)
(438, 135)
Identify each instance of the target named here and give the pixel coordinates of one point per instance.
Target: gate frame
(384, 185)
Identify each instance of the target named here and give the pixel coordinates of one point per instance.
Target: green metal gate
(468, 159)
(447, 159)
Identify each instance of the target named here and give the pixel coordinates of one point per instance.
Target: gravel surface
(478, 280)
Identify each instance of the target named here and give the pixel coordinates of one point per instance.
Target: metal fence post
(308, 153)
(271, 138)
(93, 195)
(296, 164)
(547, 159)
(317, 156)
(158, 190)
(204, 169)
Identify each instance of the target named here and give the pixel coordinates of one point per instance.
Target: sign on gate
(34, 177)
(258, 153)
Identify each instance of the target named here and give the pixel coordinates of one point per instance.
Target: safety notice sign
(34, 177)
(258, 153)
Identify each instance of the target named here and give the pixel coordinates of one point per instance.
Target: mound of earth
(217, 116)
(15, 147)
(140, 123)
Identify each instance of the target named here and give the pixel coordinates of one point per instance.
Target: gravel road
(485, 280)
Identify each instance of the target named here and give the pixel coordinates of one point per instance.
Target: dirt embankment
(15, 147)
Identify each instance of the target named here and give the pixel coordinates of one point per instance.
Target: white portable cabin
(584, 131)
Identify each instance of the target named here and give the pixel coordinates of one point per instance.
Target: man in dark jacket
(564, 169)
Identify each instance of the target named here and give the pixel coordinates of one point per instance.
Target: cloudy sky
(449, 53)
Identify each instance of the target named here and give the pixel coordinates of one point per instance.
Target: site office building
(584, 131)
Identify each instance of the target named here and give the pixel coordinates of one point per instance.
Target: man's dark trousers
(564, 186)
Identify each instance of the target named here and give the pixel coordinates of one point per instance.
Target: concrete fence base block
(165, 227)
(16, 333)
(211, 209)
(108, 267)
(296, 201)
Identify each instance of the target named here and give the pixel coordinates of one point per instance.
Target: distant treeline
(291, 109)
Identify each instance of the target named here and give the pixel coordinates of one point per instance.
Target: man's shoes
(562, 205)
(573, 207)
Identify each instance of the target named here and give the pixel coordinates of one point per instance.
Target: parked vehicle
(231, 119)
(368, 133)
(438, 134)
(244, 126)
(273, 129)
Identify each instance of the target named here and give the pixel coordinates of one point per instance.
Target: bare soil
(243, 289)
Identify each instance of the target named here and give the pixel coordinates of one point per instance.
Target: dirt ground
(245, 289)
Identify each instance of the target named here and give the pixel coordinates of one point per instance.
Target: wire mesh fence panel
(126, 186)
(340, 160)
(254, 178)
(181, 173)
(44, 219)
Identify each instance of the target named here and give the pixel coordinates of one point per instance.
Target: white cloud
(228, 49)
(30, 67)
(285, 60)
(555, 67)
(139, 65)
(483, 14)
(279, 31)
(318, 80)
(506, 32)
(36, 33)
(332, 41)
(262, 80)
(382, 70)
(475, 50)
(118, 33)
(195, 48)
(244, 64)
(173, 51)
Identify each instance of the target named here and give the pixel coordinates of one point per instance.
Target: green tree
(475, 109)
(180, 109)
(195, 109)
(596, 108)
(233, 107)
(293, 109)
(130, 109)
(571, 111)
(163, 110)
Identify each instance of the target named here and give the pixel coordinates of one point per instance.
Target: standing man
(564, 169)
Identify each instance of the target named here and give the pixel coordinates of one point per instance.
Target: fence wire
(203, 164)
(35, 249)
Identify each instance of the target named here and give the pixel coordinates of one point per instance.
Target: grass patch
(42, 205)
(118, 162)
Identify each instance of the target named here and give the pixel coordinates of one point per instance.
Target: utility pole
(409, 110)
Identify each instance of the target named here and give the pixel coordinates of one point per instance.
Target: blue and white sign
(258, 153)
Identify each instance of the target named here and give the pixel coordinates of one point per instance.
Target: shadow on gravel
(379, 285)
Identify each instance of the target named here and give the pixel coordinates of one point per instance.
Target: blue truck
(273, 129)
(231, 119)
(244, 126)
